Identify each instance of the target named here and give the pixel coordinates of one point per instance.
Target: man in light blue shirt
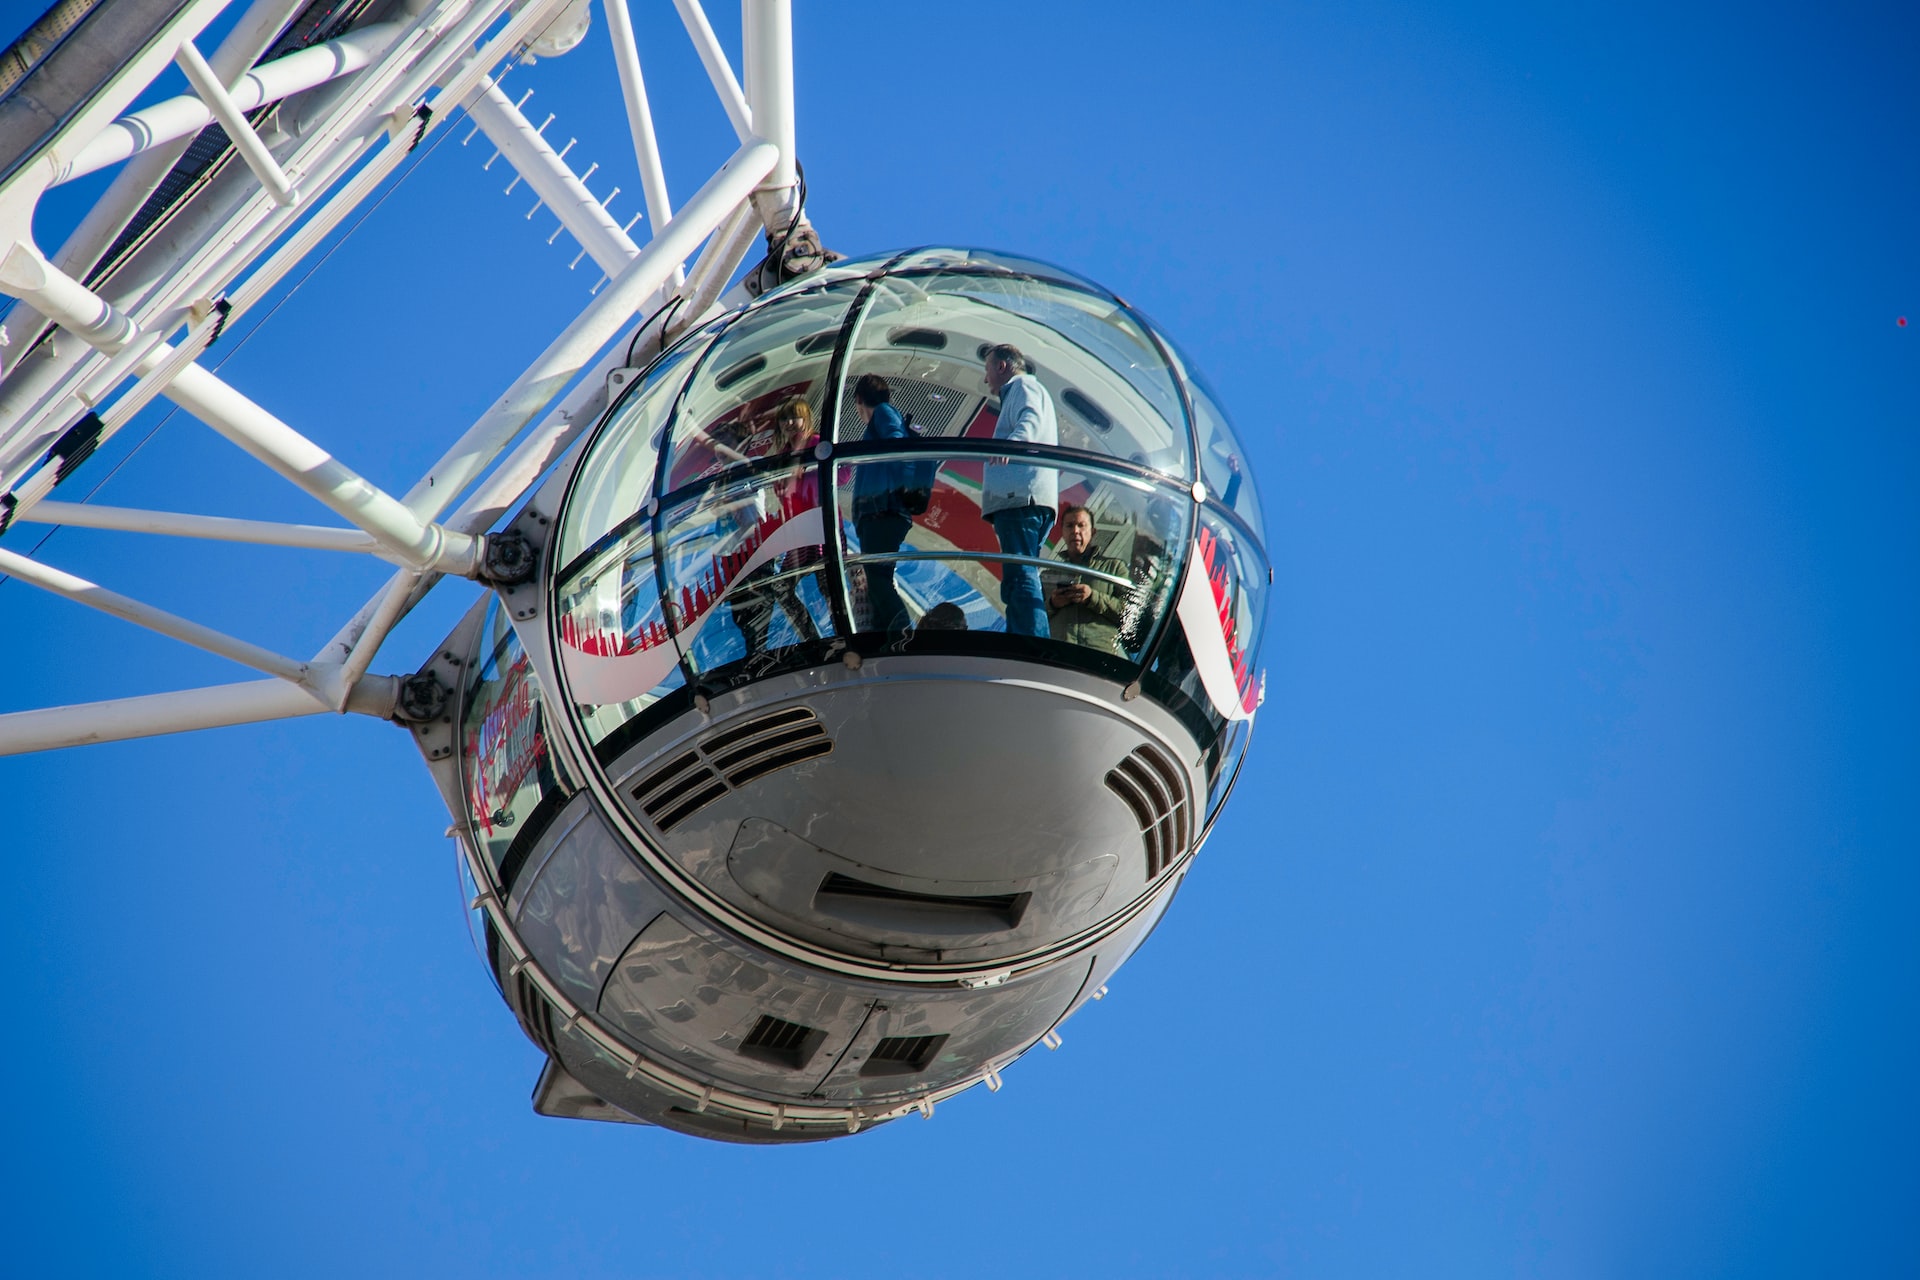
(1017, 497)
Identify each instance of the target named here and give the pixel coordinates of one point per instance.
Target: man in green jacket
(1085, 610)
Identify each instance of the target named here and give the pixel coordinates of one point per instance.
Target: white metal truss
(314, 133)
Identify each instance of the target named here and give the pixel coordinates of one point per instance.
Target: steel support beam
(633, 90)
(416, 542)
(141, 131)
(585, 219)
(719, 70)
(176, 524)
(154, 714)
(80, 591)
(609, 311)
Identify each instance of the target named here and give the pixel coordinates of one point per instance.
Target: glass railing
(1021, 546)
(1070, 560)
(510, 765)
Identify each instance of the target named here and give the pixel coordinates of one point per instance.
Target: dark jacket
(876, 484)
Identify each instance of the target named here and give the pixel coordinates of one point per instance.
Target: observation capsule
(894, 649)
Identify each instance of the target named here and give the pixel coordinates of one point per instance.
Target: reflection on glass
(619, 480)
(743, 570)
(1236, 574)
(615, 648)
(510, 767)
(1106, 570)
(928, 335)
(1223, 463)
(771, 355)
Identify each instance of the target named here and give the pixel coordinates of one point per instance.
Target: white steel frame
(365, 100)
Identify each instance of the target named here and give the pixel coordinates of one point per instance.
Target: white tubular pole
(610, 309)
(216, 528)
(151, 715)
(718, 261)
(80, 591)
(415, 542)
(535, 160)
(163, 122)
(233, 119)
(768, 27)
(719, 70)
(633, 88)
(158, 713)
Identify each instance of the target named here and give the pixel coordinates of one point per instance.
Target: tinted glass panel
(1106, 388)
(920, 548)
(510, 766)
(1223, 463)
(771, 356)
(744, 570)
(616, 650)
(618, 479)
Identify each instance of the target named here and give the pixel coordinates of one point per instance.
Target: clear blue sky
(1563, 922)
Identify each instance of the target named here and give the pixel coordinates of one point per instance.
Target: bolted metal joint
(422, 699)
(510, 559)
(789, 257)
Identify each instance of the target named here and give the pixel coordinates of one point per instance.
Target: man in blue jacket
(878, 521)
(1018, 498)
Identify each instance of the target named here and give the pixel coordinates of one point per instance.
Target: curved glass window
(743, 570)
(628, 444)
(922, 553)
(1108, 390)
(1223, 462)
(616, 651)
(790, 519)
(510, 765)
(771, 356)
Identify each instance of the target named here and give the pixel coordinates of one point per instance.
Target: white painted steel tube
(719, 70)
(27, 275)
(633, 88)
(233, 119)
(164, 122)
(768, 27)
(154, 714)
(182, 525)
(307, 466)
(94, 596)
(610, 309)
(300, 461)
(536, 161)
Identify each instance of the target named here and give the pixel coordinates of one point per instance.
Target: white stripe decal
(597, 679)
(1205, 616)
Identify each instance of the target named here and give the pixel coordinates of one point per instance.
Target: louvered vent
(731, 758)
(784, 1044)
(1151, 787)
(536, 1015)
(902, 1055)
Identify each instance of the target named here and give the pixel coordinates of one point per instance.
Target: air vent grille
(1096, 417)
(536, 1015)
(1152, 788)
(930, 339)
(727, 760)
(740, 372)
(902, 1055)
(784, 1044)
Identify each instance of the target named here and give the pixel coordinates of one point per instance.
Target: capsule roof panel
(924, 319)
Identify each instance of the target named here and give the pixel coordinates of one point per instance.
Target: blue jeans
(881, 533)
(1020, 530)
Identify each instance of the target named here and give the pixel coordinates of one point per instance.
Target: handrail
(882, 557)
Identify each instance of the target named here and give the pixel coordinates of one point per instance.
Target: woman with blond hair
(793, 432)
